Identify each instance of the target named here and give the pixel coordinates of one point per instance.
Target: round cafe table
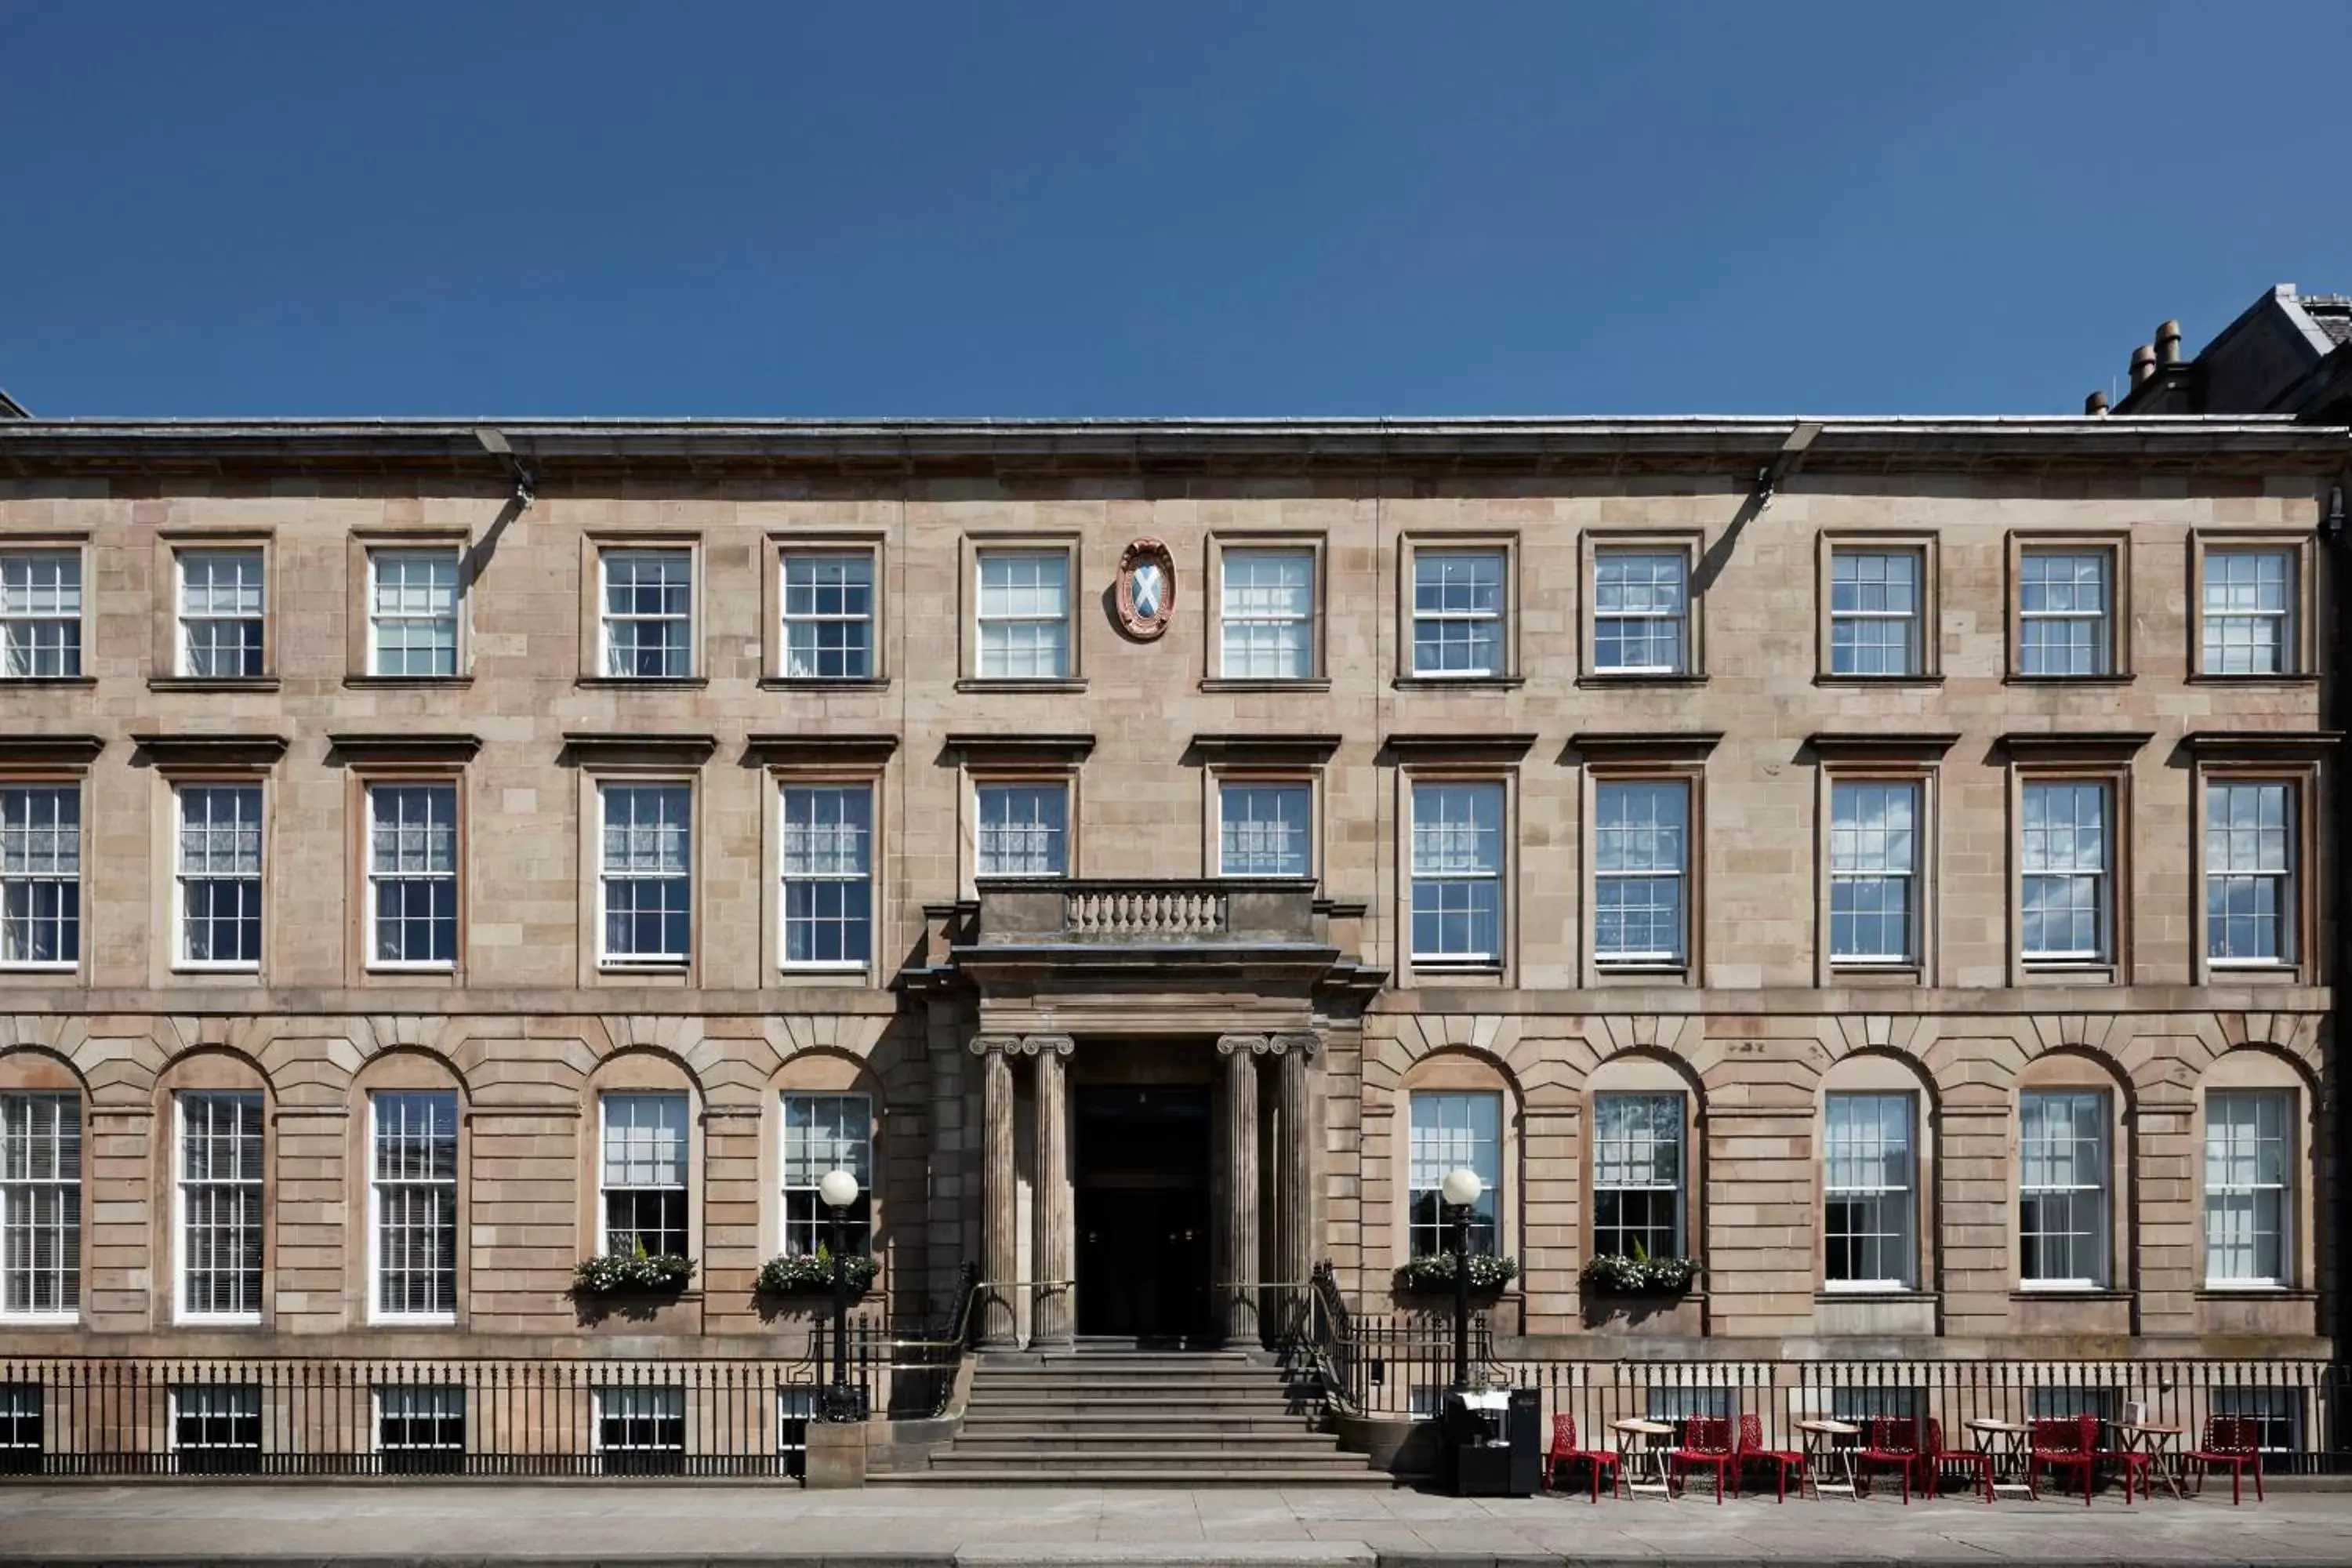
(1642, 1454)
(2005, 1441)
(1819, 1436)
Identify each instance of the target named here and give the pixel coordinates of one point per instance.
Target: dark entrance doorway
(1140, 1168)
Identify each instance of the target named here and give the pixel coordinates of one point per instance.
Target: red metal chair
(2139, 1467)
(1892, 1440)
(1707, 1443)
(1564, 1451)
(2235, 1441)
(1936, 1459)
(1752, 1451)
(2061, 1443)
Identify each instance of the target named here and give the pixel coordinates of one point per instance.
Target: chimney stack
(2167, 343)
(2143, 366)
(2095, 404)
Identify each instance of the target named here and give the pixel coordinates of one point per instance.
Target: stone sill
(2021, 1294)
(1458, 682)
(1589, 682)
(2253, 1293)
(974, 684)
(2292, 678)
(799, 683)
(1878, 681)
(19, 682)
(409, 682)
(642, 682)
(1237, 683)
(211, 683)
(1877, 1297)
(2123, 679)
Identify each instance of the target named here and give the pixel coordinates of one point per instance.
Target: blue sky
(1259, 208)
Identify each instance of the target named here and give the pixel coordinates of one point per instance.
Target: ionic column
(1052, 1310)
(1297, 1232)
(1000, 1219)
(1237, 1231)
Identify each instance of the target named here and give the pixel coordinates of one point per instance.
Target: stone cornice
(1292, 750)
(1865, 747)
(2263, 746)
(818, 750)
(1644, 745)
(1019, 751)
(1468, 749)
(252, 752)
(74, 751)
(381, 750)
(2085, 745)
(582, 748)
(553, 450)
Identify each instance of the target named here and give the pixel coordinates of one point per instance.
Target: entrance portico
(1150, 1181)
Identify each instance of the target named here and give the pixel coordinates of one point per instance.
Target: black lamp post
(1460, 1189)
(838, 1191)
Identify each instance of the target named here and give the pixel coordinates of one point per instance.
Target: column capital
(1306, 1046)
(1047, 1044)
(1232, 1045)
(1001, 1045)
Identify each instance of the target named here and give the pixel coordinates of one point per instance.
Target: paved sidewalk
(537, 1525)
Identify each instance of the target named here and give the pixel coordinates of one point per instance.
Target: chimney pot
(2143, 366)
(2095, 404)
(2167, 343)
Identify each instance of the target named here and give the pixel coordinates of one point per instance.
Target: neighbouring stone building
(1878, 859)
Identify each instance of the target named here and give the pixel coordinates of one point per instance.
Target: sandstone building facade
(1880, 860)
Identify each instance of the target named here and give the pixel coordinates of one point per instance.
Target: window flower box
(804, 1274)
(1431, 1274)
(1610, 1275)
(637, 1273)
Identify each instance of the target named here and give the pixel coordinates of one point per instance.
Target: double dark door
(1140, 1168)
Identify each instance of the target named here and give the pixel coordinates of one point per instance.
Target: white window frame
(1640, 1151)
(1863, 856)
(608, 651)
(1453, 1141)
(801, 1171)
(378, 875)
(993, 663)
(2101, 1194)
(1456, 618)
(1057, 834)
(1677, 874)
(258, 1414)
(428, 614)
(848, 838)
(605, 877)
(1677, 620)
(2215, 622)
(1439, 836)
(2222, 842)
(255, 1183)
(1867, 1144)
(20, 888)
(683, 1185)
(183, 661)
(20, 1187)
(181, 879)
(2042, 867)
(670, 1399)
(2233, 1172)
(851, 560)
(1239, 627)
(21, 625)
(2100, 621)
(1251, 826)
(380, 1186)
(1862, 616)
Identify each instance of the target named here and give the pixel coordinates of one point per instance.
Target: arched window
(41, 1189)
(218, 1111)
(1642, 1117)
(644, 1155)
(1874, 1176)
(827, 1118)
(2255, 1144)
(2069, 1111)
(1458, 1114)
(410, 1146)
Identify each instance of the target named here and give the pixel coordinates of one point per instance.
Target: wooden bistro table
(2005, 1441)
(1819, 1436)
(2160, 1445)
(1641, 1447)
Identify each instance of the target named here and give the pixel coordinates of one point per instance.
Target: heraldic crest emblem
(1147, 589)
